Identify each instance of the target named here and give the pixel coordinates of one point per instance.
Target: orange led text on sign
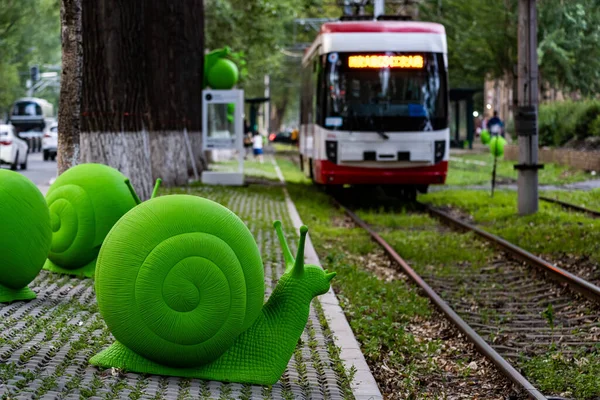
(385, 62)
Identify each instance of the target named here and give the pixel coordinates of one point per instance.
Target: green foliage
(482, 40)
(482, 37)
(562, 122)
(29, 34)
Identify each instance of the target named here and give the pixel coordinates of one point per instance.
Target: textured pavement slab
(45, 344)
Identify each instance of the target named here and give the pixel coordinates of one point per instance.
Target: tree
(142, 80)
(70, 90)
(29, 34)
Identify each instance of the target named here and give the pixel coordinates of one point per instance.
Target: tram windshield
(385, 92)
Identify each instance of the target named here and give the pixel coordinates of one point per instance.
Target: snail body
(180, 284)
(85, 202)
(26, 235)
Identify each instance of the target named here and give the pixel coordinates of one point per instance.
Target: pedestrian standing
(257, 146)
(495, 125)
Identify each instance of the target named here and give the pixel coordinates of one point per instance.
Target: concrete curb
(364, 386)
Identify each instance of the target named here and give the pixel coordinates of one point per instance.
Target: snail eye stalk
(155, 191)
(287, 254)
(133, 193)
(299, 264)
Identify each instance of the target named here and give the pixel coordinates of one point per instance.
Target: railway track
(513, 310)
(572, 207)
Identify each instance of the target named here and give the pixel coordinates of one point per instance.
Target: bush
(561, 122)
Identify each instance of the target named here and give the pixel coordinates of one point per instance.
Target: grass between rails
(553, 232)
(466, 172)
(588, 199)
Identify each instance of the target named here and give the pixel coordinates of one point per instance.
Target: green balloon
(223, 75)
(26, 235)
(497, 144)
(485, 136)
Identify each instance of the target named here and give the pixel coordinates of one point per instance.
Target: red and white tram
(374, 107)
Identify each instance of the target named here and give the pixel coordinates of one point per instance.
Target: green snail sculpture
(25, 235)
(85, 202)
(180, 284)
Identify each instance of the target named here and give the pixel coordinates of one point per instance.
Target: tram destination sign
(380, 61)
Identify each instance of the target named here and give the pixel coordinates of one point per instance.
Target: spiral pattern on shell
(85, 202)
(178, 279)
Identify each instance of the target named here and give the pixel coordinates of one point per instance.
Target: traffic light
(35, 74)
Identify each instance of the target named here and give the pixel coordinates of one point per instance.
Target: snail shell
(178, 279)
(85, 202)
(25, 227)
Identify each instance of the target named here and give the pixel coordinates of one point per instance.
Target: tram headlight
(331, 148)
(440, 150)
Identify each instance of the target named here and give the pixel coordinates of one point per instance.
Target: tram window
(388, 99)
(27, 109)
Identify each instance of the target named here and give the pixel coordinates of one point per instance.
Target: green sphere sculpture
(180, 284)
(85, 202)
(497, 144)
(485, 136)
(223, 75)
(26, 235)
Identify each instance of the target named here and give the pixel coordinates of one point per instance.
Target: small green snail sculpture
(180, 284)
(25, 235)
(85, 202)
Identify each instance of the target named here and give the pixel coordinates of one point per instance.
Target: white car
(13, 150)
(50, 143)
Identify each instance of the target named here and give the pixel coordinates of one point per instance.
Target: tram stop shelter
(462, 126)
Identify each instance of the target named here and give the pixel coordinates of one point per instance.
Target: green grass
(588, 199)
(552, 370)
(552, 232)
(251, 167)
(462, 173)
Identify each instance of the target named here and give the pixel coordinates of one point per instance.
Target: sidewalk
(45, 344)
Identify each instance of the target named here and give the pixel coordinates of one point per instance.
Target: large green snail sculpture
(85, 202)
(180, 284)
(25, 235)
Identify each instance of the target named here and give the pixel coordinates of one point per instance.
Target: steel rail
(587, 289)
(484, 348)
(571, 206)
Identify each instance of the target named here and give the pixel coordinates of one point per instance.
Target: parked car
(33, 139)
(50, 143)
(13, 150)
(282, 137)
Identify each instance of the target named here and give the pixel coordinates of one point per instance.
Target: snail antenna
(133, 193)
(299, 264)
(287, 254)
(155, 191)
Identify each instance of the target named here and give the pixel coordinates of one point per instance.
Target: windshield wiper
(383, 134)
(379, 131)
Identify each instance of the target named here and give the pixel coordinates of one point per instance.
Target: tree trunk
(143, 70)
(279, 110)
(70, 88)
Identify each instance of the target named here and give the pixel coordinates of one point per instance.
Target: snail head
(317, 279)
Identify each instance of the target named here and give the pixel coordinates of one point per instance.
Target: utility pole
(378, 8)
(267, 106)
(526, 115)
